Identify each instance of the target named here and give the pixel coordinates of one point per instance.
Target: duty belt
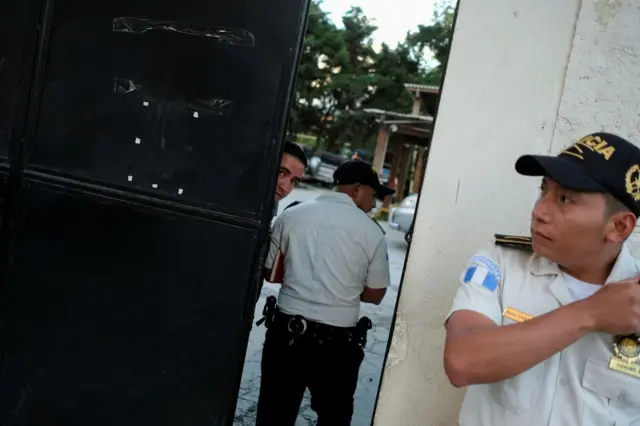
(298, 326)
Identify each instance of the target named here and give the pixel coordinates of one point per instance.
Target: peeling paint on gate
(233, 36)
(216, 106)
(122, 86)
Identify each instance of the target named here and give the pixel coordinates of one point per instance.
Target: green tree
(323, 42)
(437, 38)
(352, 82)
(340, 73)
(394, 68)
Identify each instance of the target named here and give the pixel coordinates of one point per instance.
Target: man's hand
(479, 351)
(615, 309)
(373, 295)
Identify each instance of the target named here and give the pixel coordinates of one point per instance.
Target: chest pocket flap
(621, 389)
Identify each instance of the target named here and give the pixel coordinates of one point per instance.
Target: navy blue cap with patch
(599, 162)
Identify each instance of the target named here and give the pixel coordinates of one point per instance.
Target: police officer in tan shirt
(332, 257)
(544, 330)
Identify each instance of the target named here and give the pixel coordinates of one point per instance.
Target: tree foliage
(341, 73)
(436, 37)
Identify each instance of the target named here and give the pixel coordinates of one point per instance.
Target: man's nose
(541, 210)
(286, 187)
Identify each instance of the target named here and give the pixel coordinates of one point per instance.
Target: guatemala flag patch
(482, 271)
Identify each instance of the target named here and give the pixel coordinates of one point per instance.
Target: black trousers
(329, 368)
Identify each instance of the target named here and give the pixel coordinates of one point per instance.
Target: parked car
(401, 217)
(322, 165)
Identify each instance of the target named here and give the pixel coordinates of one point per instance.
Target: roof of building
(422, 88)
(393, 114)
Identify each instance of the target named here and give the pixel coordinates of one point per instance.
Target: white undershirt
(579, 289)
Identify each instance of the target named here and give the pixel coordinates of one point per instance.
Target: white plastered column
(523, 77)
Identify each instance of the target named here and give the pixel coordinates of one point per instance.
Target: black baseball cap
(358, 171)
(599, 162)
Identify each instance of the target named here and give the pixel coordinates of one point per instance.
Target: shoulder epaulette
(379, 226)
(514, 241)
(295, 203)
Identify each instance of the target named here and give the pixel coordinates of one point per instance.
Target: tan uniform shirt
(332, 250)
(573, 387)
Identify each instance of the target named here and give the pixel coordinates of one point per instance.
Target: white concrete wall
(524, 77)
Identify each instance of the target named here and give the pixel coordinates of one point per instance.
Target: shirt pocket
(617, 396)
(518, 393)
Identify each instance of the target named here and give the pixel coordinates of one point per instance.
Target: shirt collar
(337, 197)
(624, 267)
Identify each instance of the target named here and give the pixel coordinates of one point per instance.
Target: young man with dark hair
(292, 167)
(545, 329)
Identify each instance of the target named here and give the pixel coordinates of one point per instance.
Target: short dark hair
(292, 148)
(613, 205)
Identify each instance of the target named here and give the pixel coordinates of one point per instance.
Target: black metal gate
(139, 143)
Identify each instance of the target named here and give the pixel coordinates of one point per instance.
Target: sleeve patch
(482, 271)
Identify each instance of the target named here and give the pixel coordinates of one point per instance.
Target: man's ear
(622, 225)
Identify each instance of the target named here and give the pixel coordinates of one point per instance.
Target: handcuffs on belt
(298, 325)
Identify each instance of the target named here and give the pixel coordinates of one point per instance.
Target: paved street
(371, 368)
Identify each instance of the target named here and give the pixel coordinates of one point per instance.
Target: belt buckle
(297, 325)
